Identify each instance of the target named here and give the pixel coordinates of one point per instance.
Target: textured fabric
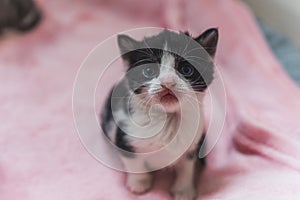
(256, 157)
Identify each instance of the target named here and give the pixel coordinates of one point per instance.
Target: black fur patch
(195, 153)
(202, 160)
(106, 115)
(107, 120)
(123, 144)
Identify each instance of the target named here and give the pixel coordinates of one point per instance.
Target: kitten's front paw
(139, 183)
(184, 194)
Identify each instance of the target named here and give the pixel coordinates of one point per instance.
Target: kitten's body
(169, 80)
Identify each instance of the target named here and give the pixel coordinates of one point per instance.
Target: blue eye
(186, 70)
(150, 71)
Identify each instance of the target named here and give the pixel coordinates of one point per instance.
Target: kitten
(159, 75)
(21, 15)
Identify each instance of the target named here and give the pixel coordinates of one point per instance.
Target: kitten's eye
(150, 71)
(186, 70)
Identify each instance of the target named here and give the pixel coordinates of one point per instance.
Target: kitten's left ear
(126, 43)
(209, 40)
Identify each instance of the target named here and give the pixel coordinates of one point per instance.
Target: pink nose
(168, 84)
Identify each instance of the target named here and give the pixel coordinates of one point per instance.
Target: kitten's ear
(209, 40)
(186, 33)
(126, 44)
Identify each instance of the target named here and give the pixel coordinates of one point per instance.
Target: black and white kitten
(163, 69)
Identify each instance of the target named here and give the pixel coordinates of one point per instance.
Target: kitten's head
(166, 67)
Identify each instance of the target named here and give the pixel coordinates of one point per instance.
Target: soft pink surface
(257, 156)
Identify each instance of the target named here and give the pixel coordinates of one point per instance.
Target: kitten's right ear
(209, 40)
(126, 44)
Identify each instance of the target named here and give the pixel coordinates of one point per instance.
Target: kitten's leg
(184, 186)
(137, 182)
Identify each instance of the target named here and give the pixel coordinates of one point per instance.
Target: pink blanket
(257, 156)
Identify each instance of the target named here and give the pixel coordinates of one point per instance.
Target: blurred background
(282, 15)
(279, 21)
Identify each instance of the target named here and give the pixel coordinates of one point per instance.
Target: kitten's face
(161, 75)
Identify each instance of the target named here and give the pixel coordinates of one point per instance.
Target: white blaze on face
(167, 75)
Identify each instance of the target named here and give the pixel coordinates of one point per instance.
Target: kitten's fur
(21, 15)
(154, 75)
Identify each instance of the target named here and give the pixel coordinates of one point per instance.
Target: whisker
(141, 94)
(199, 85)
(144, 52)
(142, 101)
(183, 92)
(149, 100)
(156, 92)
(190, 100)
(195, 81)
(184, 51)
(201, 48)
(143, 60)
(195, 59)
(148, 46)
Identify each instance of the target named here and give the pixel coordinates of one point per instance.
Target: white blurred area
(283, 15)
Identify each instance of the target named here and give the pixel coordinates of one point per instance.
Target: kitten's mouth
(167, 97)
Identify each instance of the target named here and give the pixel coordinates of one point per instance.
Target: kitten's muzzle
(167, 93)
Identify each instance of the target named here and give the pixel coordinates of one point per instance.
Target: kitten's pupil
(186, 70)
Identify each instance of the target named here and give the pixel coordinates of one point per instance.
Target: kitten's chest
(155, 133)
(162, 131)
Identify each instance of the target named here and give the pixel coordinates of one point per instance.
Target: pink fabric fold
(257, 156)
